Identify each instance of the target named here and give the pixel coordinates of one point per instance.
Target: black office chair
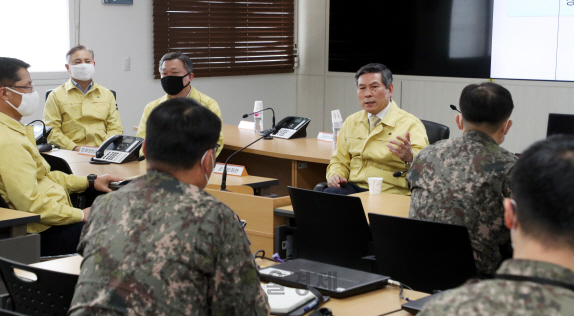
(5, 312)
(436, 131)
(79, 200)
(50, 294)
(50, 91)
(3, 203)
(57, 163)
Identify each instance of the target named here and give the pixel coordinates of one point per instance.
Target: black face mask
(173, 85)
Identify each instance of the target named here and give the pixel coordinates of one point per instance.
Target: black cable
(404, 297)
(255, 256)
(391, 312)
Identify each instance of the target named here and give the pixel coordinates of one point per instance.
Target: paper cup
(375, 185)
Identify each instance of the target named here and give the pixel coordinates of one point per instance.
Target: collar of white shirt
(383, 113)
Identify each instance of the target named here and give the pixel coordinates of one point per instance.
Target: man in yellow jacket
(26, 181)
(176, 75)
(377, 141)
(81, 112)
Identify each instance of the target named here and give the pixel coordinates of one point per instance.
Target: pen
(310, 306)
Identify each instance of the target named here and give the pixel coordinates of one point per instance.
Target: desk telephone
(292, 127)
(118, 149)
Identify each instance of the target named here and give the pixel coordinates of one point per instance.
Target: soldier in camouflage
(162, 245)
(464, 180)
(540, 278)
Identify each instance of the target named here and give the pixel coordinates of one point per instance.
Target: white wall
(320, 91)
(116, 32)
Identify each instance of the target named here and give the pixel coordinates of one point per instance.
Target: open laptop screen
(331, 228)
(560, 124)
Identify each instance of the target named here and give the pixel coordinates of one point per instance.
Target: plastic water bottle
(337, 121)
(258, 117)
(258, 126)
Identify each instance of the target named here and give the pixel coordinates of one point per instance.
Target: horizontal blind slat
(226, 37)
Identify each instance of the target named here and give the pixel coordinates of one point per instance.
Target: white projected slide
(533, 39)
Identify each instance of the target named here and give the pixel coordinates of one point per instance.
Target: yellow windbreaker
(193, 94)
(26, 182)
(361, 154)
(77, 119)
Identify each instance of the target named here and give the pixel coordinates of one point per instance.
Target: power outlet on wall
(127, 64)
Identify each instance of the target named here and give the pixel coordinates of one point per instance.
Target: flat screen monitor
(560, 124)
(448, 38)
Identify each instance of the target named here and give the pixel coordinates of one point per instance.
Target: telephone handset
(118, 149)
(292, 127)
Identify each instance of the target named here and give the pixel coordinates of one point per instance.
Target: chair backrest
(331, 228)
(5, 312)
(48, 93)
(424, 255)
(50, 294)
(3, 203)
(57, 163)
(436, 131)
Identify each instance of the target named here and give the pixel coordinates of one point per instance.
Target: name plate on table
(88, 151)
(246, 125)
(232, 170)
(327, 137)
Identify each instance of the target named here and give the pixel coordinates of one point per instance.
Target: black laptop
(424, 255)
(416, 306)
(560, 124)
(329, 279)
(331, 228)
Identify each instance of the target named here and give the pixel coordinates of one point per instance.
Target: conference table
(13, 223)
(80, 166)
(384, 203)
(300, 162)
(372, 303)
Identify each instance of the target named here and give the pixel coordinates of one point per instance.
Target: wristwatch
(91, 179)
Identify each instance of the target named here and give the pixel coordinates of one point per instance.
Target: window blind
(225, 37)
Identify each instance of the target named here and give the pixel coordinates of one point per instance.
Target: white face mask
(83, 72)
(212, 167)
(29, 102)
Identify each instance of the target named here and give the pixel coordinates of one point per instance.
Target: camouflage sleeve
(506, 184)
(235, 283)
(102, 199)
(444, 304)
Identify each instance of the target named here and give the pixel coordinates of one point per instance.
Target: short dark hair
(187, 62)
(179, 131)
(386, 74)
(541, 184)
(75, 49)
(486, 103)
(9, 68)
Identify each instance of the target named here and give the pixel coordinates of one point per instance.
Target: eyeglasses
(29, 89)
(216, 147)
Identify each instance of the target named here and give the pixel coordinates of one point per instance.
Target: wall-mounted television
(504, 39)
(448, 38)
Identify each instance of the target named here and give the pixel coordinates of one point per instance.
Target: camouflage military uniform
(463, 181)
(503, 297)
(163, 247)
